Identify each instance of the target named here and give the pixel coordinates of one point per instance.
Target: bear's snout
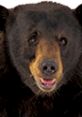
(47, 67)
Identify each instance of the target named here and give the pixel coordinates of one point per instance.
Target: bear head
(44, 43)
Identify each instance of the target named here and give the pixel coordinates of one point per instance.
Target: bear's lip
(47, 84)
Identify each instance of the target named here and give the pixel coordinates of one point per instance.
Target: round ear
(78, 13)
(3, 17)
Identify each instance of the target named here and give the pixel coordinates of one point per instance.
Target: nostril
(53, 69)
(45, 68)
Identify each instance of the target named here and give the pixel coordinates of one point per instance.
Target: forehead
(44, 17)
(47, 19)
(52, 22)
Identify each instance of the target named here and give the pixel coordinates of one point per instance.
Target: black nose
(48, 67)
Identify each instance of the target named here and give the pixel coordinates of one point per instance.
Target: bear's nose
(48, 67)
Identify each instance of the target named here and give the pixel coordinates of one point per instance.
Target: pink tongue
(48, 82)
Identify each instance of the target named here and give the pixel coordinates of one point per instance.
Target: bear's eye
(33, 39)
(63, 41)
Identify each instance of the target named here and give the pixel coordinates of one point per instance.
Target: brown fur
(20, 60)
(46, 50)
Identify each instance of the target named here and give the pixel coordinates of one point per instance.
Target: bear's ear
(78, 13)
(3, 17)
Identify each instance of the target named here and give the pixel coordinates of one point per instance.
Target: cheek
(70, 58)
(29, 53)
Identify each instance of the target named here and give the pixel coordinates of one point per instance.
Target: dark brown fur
(18, 88)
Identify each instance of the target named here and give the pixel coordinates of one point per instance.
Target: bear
(41, 61)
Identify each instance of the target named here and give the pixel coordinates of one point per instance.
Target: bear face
(44, 45)
(40, 53)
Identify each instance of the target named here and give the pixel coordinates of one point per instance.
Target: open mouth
(47, 84)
